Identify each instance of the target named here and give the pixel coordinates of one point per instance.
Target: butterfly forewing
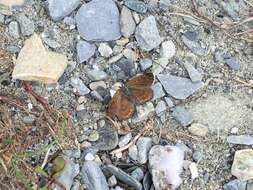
(141, 81)
(141, 95)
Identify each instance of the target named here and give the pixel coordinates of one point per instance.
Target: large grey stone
(58, 9)
(235, 185)
(127, 24)
(84, 51)
(147, 34)
(178, 87)
(99, 21)
(182, 116)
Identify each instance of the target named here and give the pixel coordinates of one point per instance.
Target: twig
(148, 126)
(3, 164)
(244, 32)
(46, 158)
(243, 82)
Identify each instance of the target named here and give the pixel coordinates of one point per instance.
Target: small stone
(145, 64)
(29, 119)
(157, 91)
(194, 170)
(159, 65)
(82, 100)
(218, 56)
(97, 84)
(99, 21)
(169, 102)
(78, 84)
(144, 144)
(58, 9)
(240, 139)
(124, 140)
(124, 177)
(2, 18)
(127, 23)
(198, 129)
(182, 116)
(14, 29)
(191, 41)
(69, 21)
(51, 43)
(197, 156)
(93, 176)
(85, 51)
(234, 130)
(27, 26)
(11, 3)
(80, 107)
(147, 181)
(133, 152)
(178, 87)
(105, 50)
(233, 64)
(123, 69)
(160, 108)
(235, 185)
(112, 181)
(144, 111)
(115, 58)
(96, 75)
(89, 157)
(138, 174)
(194, 74)
(168, 49)
(147, 34)
(130, 54)
(94, 136)
(136, 5)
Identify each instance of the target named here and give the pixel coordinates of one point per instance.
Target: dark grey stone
(178, 87)
(58, 9)
(147, 181)
(99, 21)
(145, 64)
(93, 176)
(193, 44)
(136, 5)
(183, 117)
(27, 26)
(235, 185)
(138, 174)
(85, 51)
(78, 84)
(240, 139)
(233, 63)
(158, 91)
(124, 177)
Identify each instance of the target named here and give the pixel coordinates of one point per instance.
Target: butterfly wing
(141, 95)
(120, 107)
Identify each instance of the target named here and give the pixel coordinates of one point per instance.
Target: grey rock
(112, 181)
(147, 181)
(145, 64)
(143, 112)
(160, 108)
(157, 91)
(133, 152)
(197, 156)
(85, 51)
(29, 119)
(124, 177)
(94, 136)
(240, 139)
(147, 34)
(27, 26)
(58, 9)
(99, 21)
(93, 176)
(144, 144)
(233, 63)
(193, 44)
(249, 185)
(127, 23)
(14, 30)
(69, 21)
(123, 69)
(138, 174)
(168, 49)
(98, 84)
(136, 5)
(194, 74)
(96, 75)
(183, 117)
(124, 140)
(169, 102)
(178, 87)
(2, 19)
(235, 185)
(218, 56)
(51, 43)
(78, 84)
(105, 50)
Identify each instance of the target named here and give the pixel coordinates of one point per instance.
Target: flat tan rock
(11, 3)
(35, 63)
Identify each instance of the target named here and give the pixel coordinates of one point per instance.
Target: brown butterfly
(136, 91)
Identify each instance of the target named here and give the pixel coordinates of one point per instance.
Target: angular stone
(85, 51)
(182, 116)
(169, 102)
(136, 5)
(147, 34)
(240, 139)
(27, 26)
(190, 40)
(159, 65)
(124, 140)
(78, 84)
(99, 21)
(178, 87)
(168, 49)
(14, 29)
(198, 129)
(96, 75)
(11, 3)
(235, 185)
(194, 74)
(143, 145)
(105, 50)
(58, 9)
(145, 64)
(158, 91)
(35, 63)
(143, 112)
(127, 24)
(233, 63)
(160, 108)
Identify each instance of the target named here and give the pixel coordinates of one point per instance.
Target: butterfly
(137, 90)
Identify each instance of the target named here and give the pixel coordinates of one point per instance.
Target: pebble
(136, 5)
(198, 129)
(94, 136)
(143, 144)
(133, 152)
(105, 50)
(78, 84)
(147, 34)
(157, 91)
(58, 9)
(2, 18)
(85, 51)
(160, 108)
(183, 117)
(145, 64)
(138, 174)
(97, 84)
(147, 181)
(112, 181)
(179, 87)
(130, 54)
(96, 75)
(240, 139)
(99, 21)
(124, 140)
(191, 41)
(233, 64)
(235, 185)
(169, 102)
(82, 100)
(123, 69)
(143, 112)
(115, 58)
(197, 156)
(234, 130)
(27, 26)
(194, 170)
(93, 176)
(29, 120)
(51, 43)
(127, 23)
(124, 177)
(14, 30)
(168, 49)
(89, 157)
(194, 74)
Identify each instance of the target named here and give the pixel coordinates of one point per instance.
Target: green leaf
(58, 166)
(40, 171)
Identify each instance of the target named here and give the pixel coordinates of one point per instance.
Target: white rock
(127, 24)
(194, 170)
(105, 50)
(168, 49)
